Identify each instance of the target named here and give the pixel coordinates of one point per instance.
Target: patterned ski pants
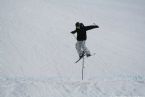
(80, 47)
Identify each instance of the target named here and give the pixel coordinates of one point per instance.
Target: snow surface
(37, 51)
(39, 88)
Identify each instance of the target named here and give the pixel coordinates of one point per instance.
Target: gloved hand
(72, 32)
(95, 25)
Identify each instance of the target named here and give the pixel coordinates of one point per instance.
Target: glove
(95, 25)
(73, 32)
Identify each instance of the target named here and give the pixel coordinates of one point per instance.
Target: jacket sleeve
(91, 27)
(73, 32)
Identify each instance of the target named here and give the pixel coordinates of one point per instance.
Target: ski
(79, 59)
(84, 56)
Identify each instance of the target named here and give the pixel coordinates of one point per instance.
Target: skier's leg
(79, 48)
(85, 49)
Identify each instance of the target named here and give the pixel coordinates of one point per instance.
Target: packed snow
(37, 50)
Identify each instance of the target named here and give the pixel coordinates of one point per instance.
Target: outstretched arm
(73, 32)
(91, 27)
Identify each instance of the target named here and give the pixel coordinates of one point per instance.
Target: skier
(81, 38)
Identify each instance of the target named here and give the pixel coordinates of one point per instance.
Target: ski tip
(79, 59)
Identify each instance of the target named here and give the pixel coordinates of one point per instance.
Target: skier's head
(77, 25)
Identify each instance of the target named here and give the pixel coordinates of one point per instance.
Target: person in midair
(82, 37)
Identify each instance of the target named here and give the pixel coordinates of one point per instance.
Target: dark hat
(77, 24)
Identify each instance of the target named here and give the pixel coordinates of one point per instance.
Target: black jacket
(81, 33)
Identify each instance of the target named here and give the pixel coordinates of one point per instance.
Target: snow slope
(37, 88)
(35, 43)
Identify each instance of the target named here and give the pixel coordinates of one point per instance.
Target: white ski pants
(80, 47)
